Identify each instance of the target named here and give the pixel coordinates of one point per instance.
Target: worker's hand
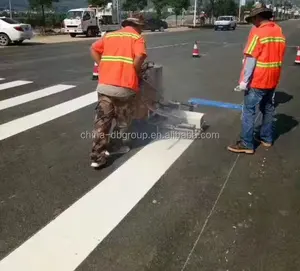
(243, 86)
(237, 88)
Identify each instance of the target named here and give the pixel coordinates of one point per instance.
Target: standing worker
(264, 54)
(120, 55)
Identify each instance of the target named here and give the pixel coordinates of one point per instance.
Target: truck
(92, 21)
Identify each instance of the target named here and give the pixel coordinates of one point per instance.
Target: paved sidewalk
(67, 38)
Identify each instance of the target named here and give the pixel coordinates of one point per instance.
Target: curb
(63, 38)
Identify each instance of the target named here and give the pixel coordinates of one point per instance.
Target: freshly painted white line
(1, 79)
(65, 242)
(25, 123)
(167, 46)
(14, 84)
(33, 96)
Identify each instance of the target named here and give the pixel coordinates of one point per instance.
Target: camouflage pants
(111, 113)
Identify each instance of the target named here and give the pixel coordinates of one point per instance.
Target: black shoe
(239, 147)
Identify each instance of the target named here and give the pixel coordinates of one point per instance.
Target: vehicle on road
(225, 23)
(155, 24)
(13, 31)
(91, 21)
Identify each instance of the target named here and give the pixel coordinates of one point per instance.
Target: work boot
(98, 162)
(239, 147)
(265, 144)
(118, 150)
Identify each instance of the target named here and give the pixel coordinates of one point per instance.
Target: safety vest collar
(122, 34)
(272, 24)
(130, 29)
(125, 32)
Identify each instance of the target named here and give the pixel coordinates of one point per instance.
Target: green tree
(134, 5)
(159, 5)
(249, 5)
(225, 7)
(178, 6)
(99, 3)
(42, 4)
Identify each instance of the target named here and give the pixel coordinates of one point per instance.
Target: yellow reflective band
(117, 59)
(272, 39)
(252, 45)
(268, 64)
(121, 34)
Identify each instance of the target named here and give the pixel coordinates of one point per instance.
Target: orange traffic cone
(297, 60)
(95, 71)
(196, 50)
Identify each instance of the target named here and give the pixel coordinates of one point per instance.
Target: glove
(243, 86)
(237, 88)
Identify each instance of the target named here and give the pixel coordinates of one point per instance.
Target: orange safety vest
(251, 33)
(267, 45)
(119, 50)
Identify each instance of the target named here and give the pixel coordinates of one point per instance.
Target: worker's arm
(140, 54)
(138, 62)
(97, 49)
(250, 64)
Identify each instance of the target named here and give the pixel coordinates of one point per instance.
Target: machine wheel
(18, 42)
(73, 35)
(4, 39)
(89, 32)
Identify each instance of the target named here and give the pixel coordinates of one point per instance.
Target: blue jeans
(265, 100)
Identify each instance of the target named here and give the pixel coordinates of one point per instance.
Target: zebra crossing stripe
(30, 121)
(33, 96)
(13, 84)
(64, 243)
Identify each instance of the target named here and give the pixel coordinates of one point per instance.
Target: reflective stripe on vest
(268, 64)
(122, 34)
(252, 45)
(271, 39)
(123, 59)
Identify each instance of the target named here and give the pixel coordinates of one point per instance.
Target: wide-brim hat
(258, 9)
(137, 19)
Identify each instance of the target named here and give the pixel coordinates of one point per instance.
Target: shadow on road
(282, 98)
(142, 134)
(284, 124)
(26, 44)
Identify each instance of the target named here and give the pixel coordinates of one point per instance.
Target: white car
(225, 23)
(13, 31)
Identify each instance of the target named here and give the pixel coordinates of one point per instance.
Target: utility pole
(195, 13)
(10, 9)
(242, 3)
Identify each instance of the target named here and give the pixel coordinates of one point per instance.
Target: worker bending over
(264, 54)
(120, 55)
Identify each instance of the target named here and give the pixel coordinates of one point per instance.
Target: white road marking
(1, 79)
(67, 241)
(33, 96)
(14, 84)
(27, 122)
(167, 46)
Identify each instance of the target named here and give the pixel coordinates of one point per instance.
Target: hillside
(62, 5)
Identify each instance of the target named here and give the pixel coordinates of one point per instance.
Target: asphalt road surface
(167, 205)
